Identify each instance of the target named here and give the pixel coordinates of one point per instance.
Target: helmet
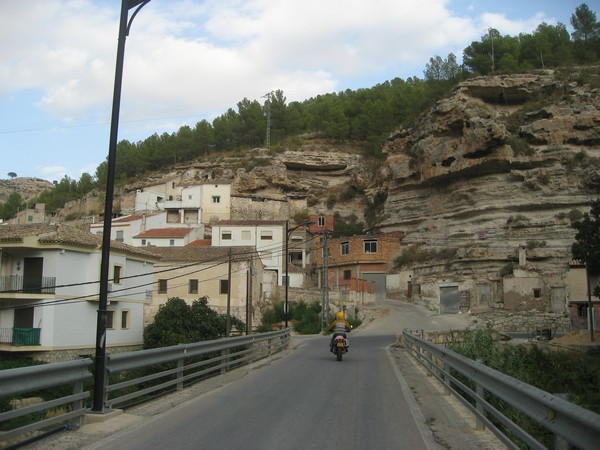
(339, 315)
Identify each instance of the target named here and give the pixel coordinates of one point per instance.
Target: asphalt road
(376, 398)
(307, 400)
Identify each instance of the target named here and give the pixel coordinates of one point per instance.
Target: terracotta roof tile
(203, 254)
(250, 222)
(165, 233)
(58, 234)
(200, 243)
(128, 218)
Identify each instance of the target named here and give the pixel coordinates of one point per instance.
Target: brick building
(358, 263)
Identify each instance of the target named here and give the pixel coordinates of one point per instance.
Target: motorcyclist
(339, 326)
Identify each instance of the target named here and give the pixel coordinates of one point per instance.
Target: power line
(114, 297)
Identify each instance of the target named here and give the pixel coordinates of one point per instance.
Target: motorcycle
(340, 346)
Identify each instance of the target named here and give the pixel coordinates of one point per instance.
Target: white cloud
(200, 56)
(510, 27)
(194, 59)
(52, 172)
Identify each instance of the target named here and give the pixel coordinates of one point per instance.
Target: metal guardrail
(138, 376)
(43, 414)
(183, 364)
(568, 422)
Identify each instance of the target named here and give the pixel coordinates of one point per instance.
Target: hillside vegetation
(366, 116)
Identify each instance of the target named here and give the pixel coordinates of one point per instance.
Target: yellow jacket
(341, 326)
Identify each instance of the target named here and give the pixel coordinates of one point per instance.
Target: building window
(266, 235)
(117, 274)
(347, 274)
(120, 236)
(321, 221)
(125, 319)
(226, 235)
(284, 280)
(223, 286)
(99, 233)
(173, 216)
(162, 286)
(193, 287)
(537, 292)
(172, 242)
(246, 235)
(216, 199)
(30, 218)
(143, 241)
(371, 246)
(110, 320)
(344, 248)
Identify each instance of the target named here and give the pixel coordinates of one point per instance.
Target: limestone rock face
(502, 163)
(499, 167)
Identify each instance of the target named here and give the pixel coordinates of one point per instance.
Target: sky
(192, 60)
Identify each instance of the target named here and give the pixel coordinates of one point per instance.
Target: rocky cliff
(504, 162)
(25, 186)
(311, 176)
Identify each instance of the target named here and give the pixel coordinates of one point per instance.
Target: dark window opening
(162, 286)
(223, 286)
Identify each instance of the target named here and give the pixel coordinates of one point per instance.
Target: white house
(269, 239)
(49, 287)
(222, 274)
(130, 230)
(167, 237)
(188, 204)
(122, 229)
(152, 198)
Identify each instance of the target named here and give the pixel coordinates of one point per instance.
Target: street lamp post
(100, 363)
(288, 232)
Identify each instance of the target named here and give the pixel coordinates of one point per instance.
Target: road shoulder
(449, 421)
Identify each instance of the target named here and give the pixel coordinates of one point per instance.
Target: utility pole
(100, 360)
(249, 297)
(268, 111)
(325, 302)
(228, 322)
(491, 32)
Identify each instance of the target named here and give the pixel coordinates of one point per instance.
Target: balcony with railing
(20, 336)
(357, 285)
(18, 284)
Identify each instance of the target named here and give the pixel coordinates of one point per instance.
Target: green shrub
(561, 372)
(507, 270)
(517, 221)
(305, 318)
(331, 201)
(552, 371)
(575, 215)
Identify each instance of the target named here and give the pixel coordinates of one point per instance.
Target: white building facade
(188, 204)
(49, 292)
(269, 239)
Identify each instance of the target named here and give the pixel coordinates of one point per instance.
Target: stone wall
(527, 321)
(258, 208)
